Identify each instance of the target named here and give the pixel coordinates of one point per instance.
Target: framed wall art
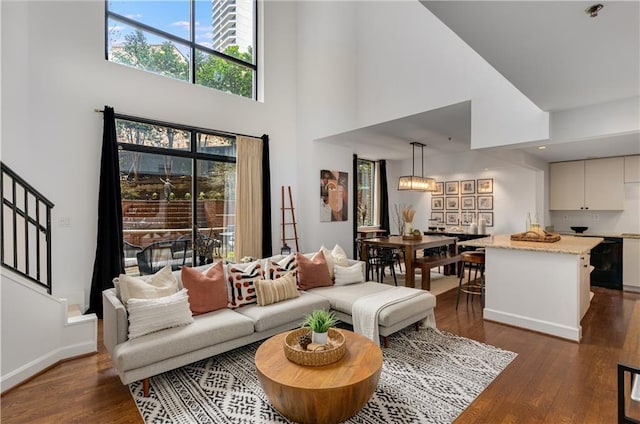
(468, 218)
(487, 216)
(438, 217)
(452, 218)
(468, 187)
(439, 189)
(467, 203)
(485, 203)
(437, 203)
(452, 203)
(485, 185)
(451, 187)
(334, 195)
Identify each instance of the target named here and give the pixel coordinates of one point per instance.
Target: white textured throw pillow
(162, 283)
(346, 275)
(151, 315)
(334, 257)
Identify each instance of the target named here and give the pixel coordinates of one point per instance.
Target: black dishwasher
(606, 259)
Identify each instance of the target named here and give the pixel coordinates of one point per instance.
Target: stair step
(74, 311)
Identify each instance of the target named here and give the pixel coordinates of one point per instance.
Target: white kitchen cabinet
(595, 184)
(585, 283)
(632, 169)
(631, 264)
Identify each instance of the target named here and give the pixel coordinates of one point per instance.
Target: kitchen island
(538, 286)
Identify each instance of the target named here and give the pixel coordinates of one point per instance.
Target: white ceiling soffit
(552, 51)
(446, 130)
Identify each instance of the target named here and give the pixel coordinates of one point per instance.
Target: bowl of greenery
(319, 321)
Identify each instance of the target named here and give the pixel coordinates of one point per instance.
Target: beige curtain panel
(248, 198)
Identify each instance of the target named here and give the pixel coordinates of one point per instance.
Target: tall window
(205, 42)
(166, 173)
(366, 193)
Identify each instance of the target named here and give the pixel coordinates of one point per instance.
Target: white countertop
(599, 234)
(567, 244)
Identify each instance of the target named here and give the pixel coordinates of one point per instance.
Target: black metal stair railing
(25, 229)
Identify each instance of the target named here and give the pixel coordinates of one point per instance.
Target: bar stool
(475, 261)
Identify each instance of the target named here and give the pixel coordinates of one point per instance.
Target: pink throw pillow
(312, 272)
(207, 292)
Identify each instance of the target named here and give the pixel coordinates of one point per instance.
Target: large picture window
(178, 194)
(205, 42)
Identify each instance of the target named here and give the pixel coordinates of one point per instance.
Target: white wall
(53, 77)
(517, 191)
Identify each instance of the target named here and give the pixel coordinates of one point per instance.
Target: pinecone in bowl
(305, 340)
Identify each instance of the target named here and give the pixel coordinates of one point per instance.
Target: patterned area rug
(428, 376)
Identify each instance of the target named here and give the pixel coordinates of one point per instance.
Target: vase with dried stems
(407, 216)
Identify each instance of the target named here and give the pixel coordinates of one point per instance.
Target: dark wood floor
(551, 380)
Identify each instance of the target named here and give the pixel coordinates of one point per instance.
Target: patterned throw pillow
(207, 291)
(151, 315)
(284, 266)
(162, 283)
(312, 272)
(273, 291)
(241, 283)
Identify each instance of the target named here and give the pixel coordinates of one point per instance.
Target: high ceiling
(552, 51)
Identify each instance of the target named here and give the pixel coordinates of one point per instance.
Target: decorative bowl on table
(579, 230)
(326, 354)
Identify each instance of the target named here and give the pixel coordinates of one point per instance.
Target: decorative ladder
(291, 223)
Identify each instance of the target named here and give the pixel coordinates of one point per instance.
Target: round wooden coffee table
(327, 394)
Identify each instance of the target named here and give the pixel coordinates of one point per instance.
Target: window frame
(374, 192)
(193, 154)
(193, 46)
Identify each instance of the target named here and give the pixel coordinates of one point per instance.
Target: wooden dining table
(409, 247)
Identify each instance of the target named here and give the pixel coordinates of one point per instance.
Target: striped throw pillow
(273, 291)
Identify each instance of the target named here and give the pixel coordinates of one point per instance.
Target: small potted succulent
(319, 321)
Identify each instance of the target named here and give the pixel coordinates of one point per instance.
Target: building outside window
(366, 195)
(178, 195)
(210, 43)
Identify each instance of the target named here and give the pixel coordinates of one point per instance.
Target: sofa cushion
(162, 283)
(342, 298)
(348, 274)
(150, 315)
(241, 283)
(277, 314)
(206, 330)
(274, 291)
(334, 257)
(312, 272)
(207, 291)
(276, 267)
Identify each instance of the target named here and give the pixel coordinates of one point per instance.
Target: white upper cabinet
(632, 169)
(596, 184)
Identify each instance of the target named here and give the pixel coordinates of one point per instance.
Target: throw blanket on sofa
(366, 310)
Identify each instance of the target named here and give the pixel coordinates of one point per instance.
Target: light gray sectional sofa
(226, 329)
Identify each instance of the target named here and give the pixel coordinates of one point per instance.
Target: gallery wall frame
(439, 189)
(437, 203)
(452, 203)
(451, 187)
(487, 216)
(438, 216)
(452, 218)
(485, 203)
(467, 203)
(468, 187)
(467, 218)
(485, 186)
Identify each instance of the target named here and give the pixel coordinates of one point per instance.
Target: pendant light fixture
(413, 182)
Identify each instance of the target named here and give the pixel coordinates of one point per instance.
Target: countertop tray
(533, 236)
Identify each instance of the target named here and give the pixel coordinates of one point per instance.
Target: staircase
(39, 330)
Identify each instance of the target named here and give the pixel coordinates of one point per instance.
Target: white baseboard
(558, 330)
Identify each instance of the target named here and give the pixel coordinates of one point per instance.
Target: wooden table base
(327, 394)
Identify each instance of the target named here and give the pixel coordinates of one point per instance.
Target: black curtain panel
(384, 198)
(266, 199)
(109, 261)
